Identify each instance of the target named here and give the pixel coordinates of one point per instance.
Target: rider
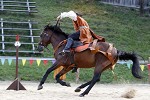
(81, 27)
(83, 32)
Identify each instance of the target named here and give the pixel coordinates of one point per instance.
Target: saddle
(79, 47)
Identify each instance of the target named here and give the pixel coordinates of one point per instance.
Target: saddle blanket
(81, 48)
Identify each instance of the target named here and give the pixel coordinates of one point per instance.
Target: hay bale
(129, 93)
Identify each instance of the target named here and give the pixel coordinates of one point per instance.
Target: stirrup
(64, 52)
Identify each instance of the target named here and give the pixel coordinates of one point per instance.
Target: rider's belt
(81, 27)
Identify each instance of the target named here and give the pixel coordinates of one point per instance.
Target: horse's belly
(84, 59)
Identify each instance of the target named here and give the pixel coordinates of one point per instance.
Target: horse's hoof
(77, 90)
(40, 87)
(81, 95)
(68, 85)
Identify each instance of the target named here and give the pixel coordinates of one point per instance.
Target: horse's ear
(47, 26)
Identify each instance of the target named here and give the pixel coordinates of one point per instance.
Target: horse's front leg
(62, 72)
(53, 67)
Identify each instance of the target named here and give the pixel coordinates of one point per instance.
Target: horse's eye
(46, 34)
(41, 35)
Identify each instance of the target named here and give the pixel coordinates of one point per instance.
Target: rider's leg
(71, 38)
(68, 45)
(75, 36)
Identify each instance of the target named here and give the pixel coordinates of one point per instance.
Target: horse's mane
(56, 29)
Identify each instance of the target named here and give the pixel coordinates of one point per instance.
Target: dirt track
(52, 91)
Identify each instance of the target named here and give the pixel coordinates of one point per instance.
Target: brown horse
(85, 59)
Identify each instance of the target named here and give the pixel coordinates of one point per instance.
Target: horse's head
(45, 38)
(48, 34)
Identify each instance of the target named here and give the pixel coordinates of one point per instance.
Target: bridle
(41, 44)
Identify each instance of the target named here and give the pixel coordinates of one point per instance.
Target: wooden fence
(127, 3)
(26, 30)
(18, 6)
(27, 36)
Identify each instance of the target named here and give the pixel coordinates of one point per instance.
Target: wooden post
(16, 85)
(141, 7)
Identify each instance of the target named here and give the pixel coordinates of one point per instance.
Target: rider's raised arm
(70, 14)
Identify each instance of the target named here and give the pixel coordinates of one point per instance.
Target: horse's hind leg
(97, 73)
(92, 83)
(53, 67)
(62, 72)
(78, 89)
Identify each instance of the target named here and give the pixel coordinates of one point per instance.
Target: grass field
(123, 27)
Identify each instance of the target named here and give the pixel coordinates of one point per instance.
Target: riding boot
(67, 47)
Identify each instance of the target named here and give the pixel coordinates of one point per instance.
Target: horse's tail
(136, 70)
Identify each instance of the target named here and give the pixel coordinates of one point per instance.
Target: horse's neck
(56, 40)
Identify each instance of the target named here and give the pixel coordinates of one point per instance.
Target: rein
(51, 36)
(58, 21)
(47, 48)
(60, 44)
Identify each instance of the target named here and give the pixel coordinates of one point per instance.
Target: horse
(99, 60)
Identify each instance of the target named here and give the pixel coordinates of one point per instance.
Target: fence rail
(28, 34)
(17, 6)
(127, 3)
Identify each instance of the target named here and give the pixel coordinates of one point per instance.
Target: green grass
(123, 27)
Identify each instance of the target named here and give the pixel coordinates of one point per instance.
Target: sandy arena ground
(53, 91)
